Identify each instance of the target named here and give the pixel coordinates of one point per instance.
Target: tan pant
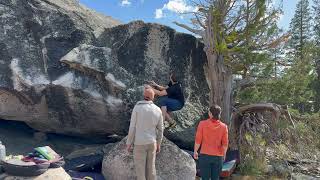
(144, 161)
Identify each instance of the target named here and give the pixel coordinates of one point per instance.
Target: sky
(164, 11)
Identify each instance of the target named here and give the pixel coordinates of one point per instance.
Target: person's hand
(129, 148)
(158, 148)
(147, 86)
(195, 155)
(152, 83)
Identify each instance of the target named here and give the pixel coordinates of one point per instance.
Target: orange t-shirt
(212, 135)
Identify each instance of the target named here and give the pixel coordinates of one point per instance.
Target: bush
(253, 160)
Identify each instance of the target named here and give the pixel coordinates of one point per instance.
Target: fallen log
(276, 109)
(250, 118)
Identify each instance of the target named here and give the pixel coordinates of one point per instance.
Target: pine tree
(300, 28)
(316, 20)
(234, 33)
(316, 15)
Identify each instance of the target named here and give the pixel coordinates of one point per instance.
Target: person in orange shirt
(212, 136)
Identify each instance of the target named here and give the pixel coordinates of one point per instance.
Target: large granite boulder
(172, 163)
(67, 69)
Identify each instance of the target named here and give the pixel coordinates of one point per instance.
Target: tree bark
(317, 94)
(219, 76)
(220, 83)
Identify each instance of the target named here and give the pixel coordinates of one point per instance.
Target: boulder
(67, 69)
(187, 121)
(87, 151)
(86, 159)
(58, 173)
(171, 163)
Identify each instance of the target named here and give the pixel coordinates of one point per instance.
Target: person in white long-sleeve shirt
(146, 133)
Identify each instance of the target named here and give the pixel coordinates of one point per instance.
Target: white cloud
(159, 13)
(176, 6)
(125, 3)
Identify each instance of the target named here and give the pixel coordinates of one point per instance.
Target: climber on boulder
(171, 98)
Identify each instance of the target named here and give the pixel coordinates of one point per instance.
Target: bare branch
(285, 111)
(231, 4)
(235, 22)
(283, 38)
(199, 21)
(247, 82)
(195, 31)
(273, 44)
(283, 64)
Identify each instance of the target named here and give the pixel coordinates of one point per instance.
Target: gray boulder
(67, 69)
(172, 163)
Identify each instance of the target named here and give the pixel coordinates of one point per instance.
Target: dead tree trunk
(220, 83)
(218, 74)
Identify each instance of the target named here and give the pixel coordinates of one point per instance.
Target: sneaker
(173, 124)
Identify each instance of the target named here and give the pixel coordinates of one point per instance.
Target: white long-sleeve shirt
(146, 125)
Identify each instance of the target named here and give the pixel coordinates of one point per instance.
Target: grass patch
(253, 160)
(285, 142)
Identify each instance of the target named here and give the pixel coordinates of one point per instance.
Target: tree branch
(283, 64)
(195, 31)
(199, 21)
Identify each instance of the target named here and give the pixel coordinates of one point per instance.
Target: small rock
(299, 176)
(281, 169)
(270, 169)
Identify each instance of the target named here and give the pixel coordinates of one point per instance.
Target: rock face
(67, 69)
(171, 163)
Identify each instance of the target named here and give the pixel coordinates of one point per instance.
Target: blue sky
(130, 10)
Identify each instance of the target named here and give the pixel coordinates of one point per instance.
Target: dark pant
(171, 104)
(210, 166)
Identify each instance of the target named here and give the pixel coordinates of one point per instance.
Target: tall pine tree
(316, 20)
(235, 33)
(300, 28)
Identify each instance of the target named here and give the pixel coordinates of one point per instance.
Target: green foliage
(252, 166)
(316, 20)
(310, 128)
(300, 28)
(285, 143)
(240, 35)
(303, 139)
(293, 88)
(316, 87)
(254, 160)
(298, 86)
(316, 82)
